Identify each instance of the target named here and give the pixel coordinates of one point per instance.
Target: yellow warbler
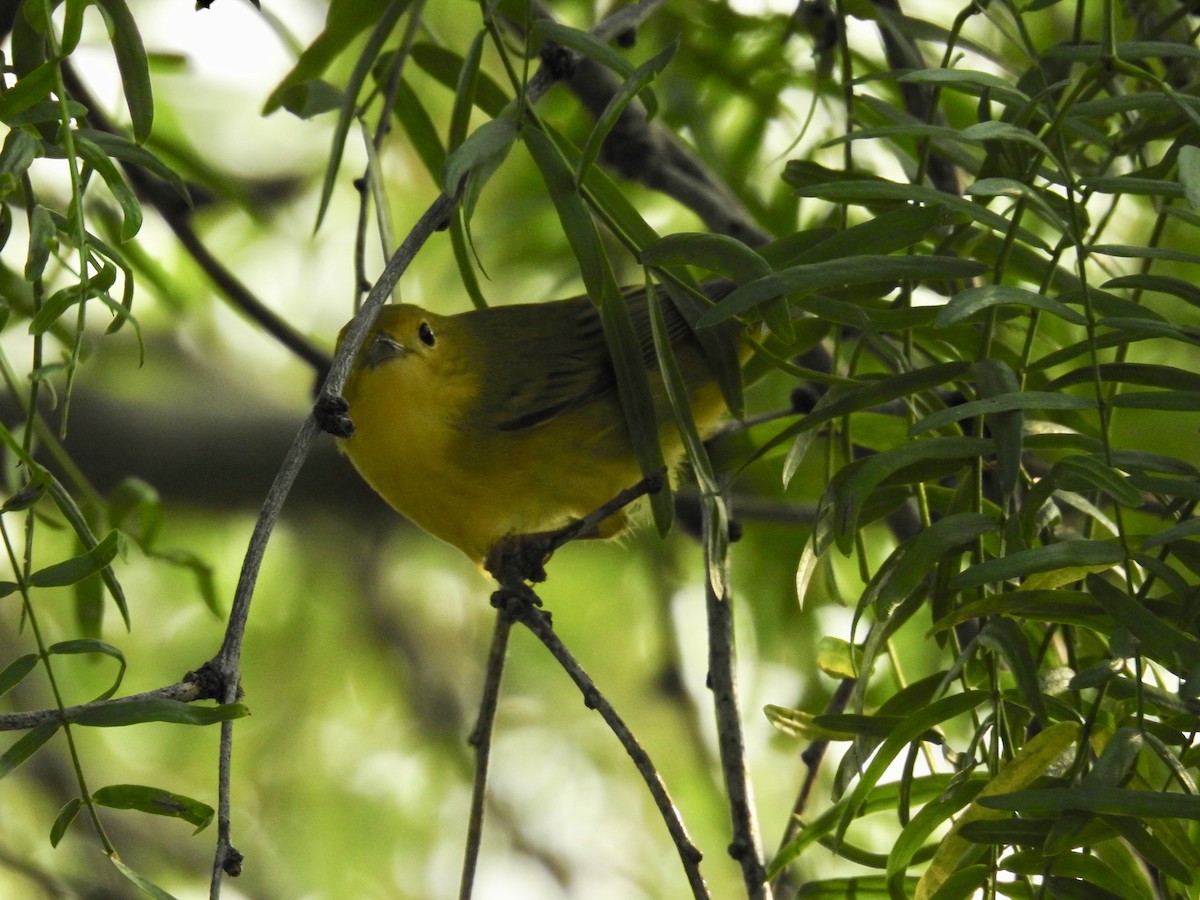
(505, 421)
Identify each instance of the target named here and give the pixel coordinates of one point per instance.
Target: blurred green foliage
(986, 505)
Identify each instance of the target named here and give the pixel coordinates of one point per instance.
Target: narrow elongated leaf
(1158, 639)
(19, 151)
(999, 404)
(118, 713)
(585, 44)
(967, 303)
(1171, 401)
(1174, 533)
(918, 558)
(1066, 555)
(633, 388)
(31, 88)
(133, 65)
(131, 209)
(1149, 374)
(63, 820)
(637, 81)
(854, 484)
(1096, 474)
(79, 567)
(119, 147)
(921, 826)
(390, 15)
(835, 273)
(91, 645)
(969, 80)
(25, 746)
(482, 152)
(1162, 284)
(1112, 801)
(712, 252)
(143, 884)
(74, 515)
(867, 191)
(1003, 637)
(155, 801)
(15, 672)
(345, 20)
(1189, 174)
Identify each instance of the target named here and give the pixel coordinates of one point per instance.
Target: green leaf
(1170, 401)
(133, 66)
(585, 44)
(79, 567)
(839, 658)
(712, 252)
(1112, 801)
(1148, 374)
(917, 559)
(131, 209)
(479, 155)
(836, 273)
(1077, 558)
(30, 88)
(716, 516)
(117, 713)
(345, 20)
(1157, 638)
(914, 834)
(870, 191)
(19, 151)
(999, 404)
(1162, 284)
(1174, 533)
(969, 302)
(1096, 474)
(637, 81)
(63, 820)
(16, 671)
(74, 515)
(25, 746)
(850, 488)
(155, 801)
(62, 300)
(969, 81)
(1189, 174)
(91, 645)
(362, 67)
(143, 884)
(119, 147)
(1136, 251)
(42, 236)
(1003, 637)
(446, 67)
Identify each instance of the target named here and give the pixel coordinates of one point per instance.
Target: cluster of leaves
(1043, 348)
(73, 261)
(1034, 328)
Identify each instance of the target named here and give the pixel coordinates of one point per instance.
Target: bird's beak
(383, 347)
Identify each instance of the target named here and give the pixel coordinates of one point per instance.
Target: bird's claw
(331, 412)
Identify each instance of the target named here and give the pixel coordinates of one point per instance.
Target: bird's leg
(518, 558)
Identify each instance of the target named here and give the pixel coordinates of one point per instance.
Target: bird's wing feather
(575, 366)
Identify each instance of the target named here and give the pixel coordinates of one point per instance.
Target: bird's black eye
(425, 333)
